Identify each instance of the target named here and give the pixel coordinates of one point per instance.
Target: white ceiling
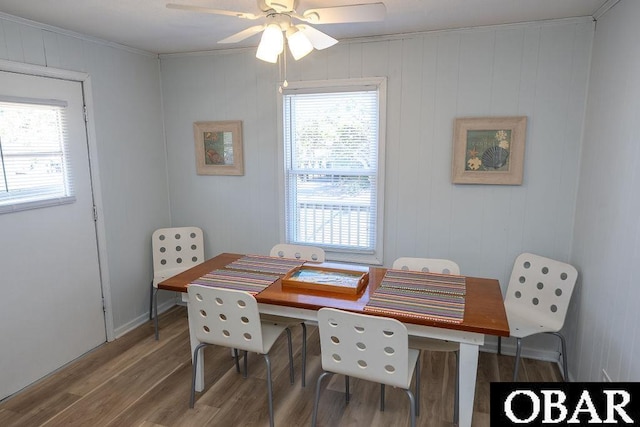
(148, 25)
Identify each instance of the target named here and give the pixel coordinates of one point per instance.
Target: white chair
(230, 318)
(174, 250)
(537, 300)
(372, 348)
(441, 266)
(301, 252)
(427, 265)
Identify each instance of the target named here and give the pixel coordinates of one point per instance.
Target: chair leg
(518, 349)
(456, 403)
(565, 368)
(314, 417)
(155, 312)
(246, 368)
(290, 355)
(381, 397)
(269, 388)
(304, 354)
(151, 301)
(194, 373)
(237, 359)
(412, 407)
(499, 345)
(417, 392)
(346, 388)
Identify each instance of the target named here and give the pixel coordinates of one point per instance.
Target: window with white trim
(33, 147)
(333, 161)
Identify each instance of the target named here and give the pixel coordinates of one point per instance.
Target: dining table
(483, 313)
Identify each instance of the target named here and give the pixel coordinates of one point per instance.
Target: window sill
(368, 259)
(36, 204)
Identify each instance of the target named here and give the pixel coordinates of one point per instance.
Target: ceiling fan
(280, 17)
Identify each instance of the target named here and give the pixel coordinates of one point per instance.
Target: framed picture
(488, 150)
(219, 148)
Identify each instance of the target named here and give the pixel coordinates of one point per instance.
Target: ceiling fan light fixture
(271, 44)
(301, 38)
(299, 44)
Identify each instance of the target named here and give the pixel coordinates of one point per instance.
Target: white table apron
(468, 360)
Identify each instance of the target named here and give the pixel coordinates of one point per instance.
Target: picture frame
(219, 148)
(488, 150)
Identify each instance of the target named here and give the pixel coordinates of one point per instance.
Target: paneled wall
(125, 85)
(539, 70)
(604, 325)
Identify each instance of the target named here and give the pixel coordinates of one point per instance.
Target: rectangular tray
(326, 279)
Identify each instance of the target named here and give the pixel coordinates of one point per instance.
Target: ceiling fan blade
(244, 34)
(343, 14)
(318, 39)
(213, 11)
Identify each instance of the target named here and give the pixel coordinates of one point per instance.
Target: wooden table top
(484, 308)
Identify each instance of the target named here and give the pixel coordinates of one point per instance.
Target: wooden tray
(326, 279)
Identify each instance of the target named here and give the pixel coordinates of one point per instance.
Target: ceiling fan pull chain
(284, 57)
(282, 75)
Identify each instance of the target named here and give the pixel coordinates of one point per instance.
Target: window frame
(328, 86)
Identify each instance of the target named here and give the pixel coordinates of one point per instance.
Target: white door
(51, 307)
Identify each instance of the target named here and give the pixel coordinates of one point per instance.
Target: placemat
(417, 305)
(238, 280)
(420, 295)
(425, 282)
(265, 264)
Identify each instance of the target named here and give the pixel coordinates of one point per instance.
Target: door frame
(85, 80)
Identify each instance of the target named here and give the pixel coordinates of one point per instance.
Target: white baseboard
(510, 350)
(144, 318)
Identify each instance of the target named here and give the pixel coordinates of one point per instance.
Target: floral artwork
(219, 148)
(488, 150)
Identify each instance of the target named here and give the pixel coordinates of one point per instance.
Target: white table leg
(467, 382)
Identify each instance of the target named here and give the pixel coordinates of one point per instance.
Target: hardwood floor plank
(136, 381)
(488, 372)
(505, 368)
(8, 417)
(106, 402)
(539, 371)
(166, 405)
(91, 370)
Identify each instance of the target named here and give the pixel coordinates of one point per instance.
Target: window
(333, 158)
(33, 165)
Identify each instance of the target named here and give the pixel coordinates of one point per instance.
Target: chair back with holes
(225, 317)
(427, 265)
(301, 252)
(540, 288)
(367, 347)
(175, 250)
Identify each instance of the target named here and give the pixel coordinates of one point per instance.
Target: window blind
(34, 168)
(331, 168)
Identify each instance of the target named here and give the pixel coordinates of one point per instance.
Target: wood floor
(137, 381)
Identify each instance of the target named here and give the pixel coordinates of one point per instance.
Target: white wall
(130, 144)
(606, 248)
(539, 70)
